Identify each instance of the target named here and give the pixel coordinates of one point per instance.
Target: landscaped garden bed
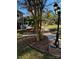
(41, 46)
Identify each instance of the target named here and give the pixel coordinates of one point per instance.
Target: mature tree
(35, 7)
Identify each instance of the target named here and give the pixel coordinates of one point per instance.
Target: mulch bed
(42, 45)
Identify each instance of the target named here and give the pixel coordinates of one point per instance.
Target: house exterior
(19, 19)
(19, 16)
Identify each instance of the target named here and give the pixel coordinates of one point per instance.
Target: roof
(19, 12)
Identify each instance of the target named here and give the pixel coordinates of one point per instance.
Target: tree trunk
(37, 14)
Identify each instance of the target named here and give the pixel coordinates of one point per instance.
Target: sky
(25, 12)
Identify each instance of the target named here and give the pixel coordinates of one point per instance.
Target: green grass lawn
(52, 26)
(30, 53)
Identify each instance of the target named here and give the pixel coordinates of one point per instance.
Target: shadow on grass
(21, 51)
(23, 54)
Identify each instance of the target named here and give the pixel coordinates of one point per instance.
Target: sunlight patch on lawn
(52, 26)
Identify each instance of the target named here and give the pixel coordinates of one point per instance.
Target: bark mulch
(42, 46)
